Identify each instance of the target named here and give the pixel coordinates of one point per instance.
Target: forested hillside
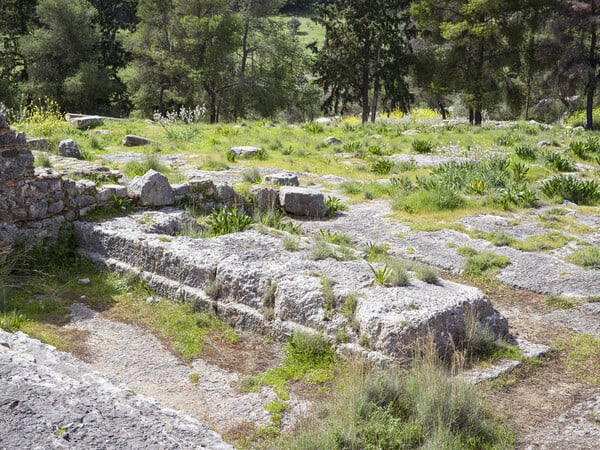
(532, 59)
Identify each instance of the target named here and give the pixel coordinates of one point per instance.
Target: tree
(477, 40)
(577, 38)
(16, 19)
(366, 54)
(66, 47)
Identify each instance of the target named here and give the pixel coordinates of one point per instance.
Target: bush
(382, 166)
(225, 221)
(584, 192)
(525, 152)
(252, 176)
(422, 146)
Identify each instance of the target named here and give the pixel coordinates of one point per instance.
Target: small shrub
(252, 176)
(424, 200)
(506, 140)
(313, 127)
(43, 160)
(352, 187)
(328, 298)
(584, 192)
(588, 257)
(376, 252)
(333, 205)
(139, 168)
(466, 251)
(427, 274)
(525, 152)
(382, 166)
(560, 163)
(349, 306)
(291, 243)
(422, 146)
(231, 156)
(398, 276)
(335, 238)
(381, 274)
(225, 221)
(212, 289)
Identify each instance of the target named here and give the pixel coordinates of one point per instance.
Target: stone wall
(34, 203)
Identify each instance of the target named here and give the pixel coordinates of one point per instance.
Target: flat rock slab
(577, 429)
(49, 399)
(84, 122)
(427, 160)
(131, 140)
(583, 319)
(245, 265)
(245, 151)
(282, 179)
(535, 272)
(138, 359)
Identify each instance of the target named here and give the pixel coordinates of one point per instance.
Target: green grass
(582, 357)
(421, 408)
(588, 257)
(483, 265)
(308, 357)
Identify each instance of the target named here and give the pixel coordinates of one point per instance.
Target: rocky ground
(545, 405)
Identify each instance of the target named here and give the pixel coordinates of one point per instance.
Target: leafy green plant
(506, 139)
(335, 237)
(570, 188)
(226, 220)
(525, 152)
(588, 257)
(560, 163)
(313, 127)
(333, 205)
(422, 146)
(578, 148)
(381, 274)
(12, 321)
(43, 160)
(376, 252)
(382, 166)
(231, 156)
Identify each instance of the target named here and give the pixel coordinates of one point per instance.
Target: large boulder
(245, 151)
(69, 149)
(302, 202)
(152, 189)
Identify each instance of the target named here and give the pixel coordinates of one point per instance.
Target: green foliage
(560, 163)
(421, 408)
(483, 265)
(308, 357)
(335, 237)
(422, 147)
(559, 302)
(252, 176)
(226, 220)
(313, 127)
(12, 321)
(382, 166)
(578, 191)
(291, 243)
(139, 168)
(525, 152)
(424, 200)
(582, 357)
(376, 252)
(588, 257)
(43, 160)
(427, 274)
(381, 274)
(333, 205)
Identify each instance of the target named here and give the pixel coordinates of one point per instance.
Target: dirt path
(131, 355)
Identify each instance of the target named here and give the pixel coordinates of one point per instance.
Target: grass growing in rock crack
(308, 357)
(483, 265)
(588, 257)
(582, 357)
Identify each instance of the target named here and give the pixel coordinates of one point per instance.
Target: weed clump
(588, 257)
(484, 265)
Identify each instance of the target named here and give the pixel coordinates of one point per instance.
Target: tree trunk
(213, 107)
(245, 50)
(478, 117)
(160, 98)
(471, 116)
(376, 85)
(365, 84)
(443, 111)
(527, 98)
(591, 86)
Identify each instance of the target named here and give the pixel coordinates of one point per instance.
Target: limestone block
(152, 189)
(302, 201)
(68, 148)
(85, 122)
(132, 140)
(282, 179)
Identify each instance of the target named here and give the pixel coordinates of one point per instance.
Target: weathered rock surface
(68, 148)
(152, 189)
(302, 202)
(331, 140)
(49, 399)
(131, 140)
(85, 122)
(245, 264)
(577, 429)
(38, 144)
(282, 179)
(245, 151)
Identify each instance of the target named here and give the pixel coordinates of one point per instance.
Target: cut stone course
(246, 264)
